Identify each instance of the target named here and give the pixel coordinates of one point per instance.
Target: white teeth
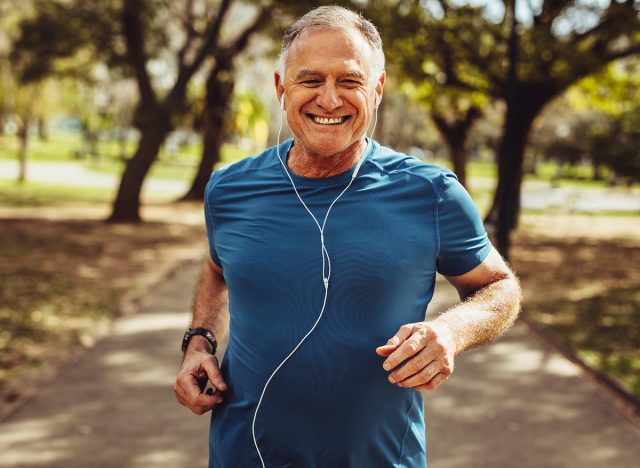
(325, 121)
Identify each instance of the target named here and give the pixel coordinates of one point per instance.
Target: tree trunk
(511, 151)
(43, 134)
(220, 86)
(505, 211)
(23, 138)
(126, 206)
(456, 136)
(458, 153)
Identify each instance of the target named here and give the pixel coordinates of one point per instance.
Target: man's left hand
(420, 355)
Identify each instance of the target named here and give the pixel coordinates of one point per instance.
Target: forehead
(330, 51)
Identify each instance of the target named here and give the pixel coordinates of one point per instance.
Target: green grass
(180, 167)
(475, 169)
(33, 194)
(58, 147)
(603, 330)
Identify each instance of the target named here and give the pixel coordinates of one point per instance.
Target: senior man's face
(329, 91)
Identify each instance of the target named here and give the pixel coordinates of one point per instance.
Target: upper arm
(493, 268)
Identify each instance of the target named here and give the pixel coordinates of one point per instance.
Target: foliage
(598, 121)
(55, 39)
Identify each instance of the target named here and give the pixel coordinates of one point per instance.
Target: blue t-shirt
(331, 404)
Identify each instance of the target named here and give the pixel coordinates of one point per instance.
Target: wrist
(199, 344)
(447, 333)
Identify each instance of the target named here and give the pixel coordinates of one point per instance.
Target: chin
(323, 147)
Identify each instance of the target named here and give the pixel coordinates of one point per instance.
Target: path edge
(607, 387)
(130, 303)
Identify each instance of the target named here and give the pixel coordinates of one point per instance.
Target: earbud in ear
(282, 102)
(377, 101)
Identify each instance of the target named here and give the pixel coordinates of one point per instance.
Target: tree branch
(191, 34)
(134, 37)
(211, 36)
(239, 44)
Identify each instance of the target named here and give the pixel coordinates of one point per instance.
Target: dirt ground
(582, 283)
(63, 280)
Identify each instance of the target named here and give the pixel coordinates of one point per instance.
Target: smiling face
(329, 90)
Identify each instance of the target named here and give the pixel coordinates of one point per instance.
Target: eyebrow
(306, 73)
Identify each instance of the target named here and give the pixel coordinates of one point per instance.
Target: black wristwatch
(191, 332)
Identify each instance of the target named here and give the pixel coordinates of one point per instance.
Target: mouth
(334, 120)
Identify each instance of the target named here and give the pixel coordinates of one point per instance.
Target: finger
(198, 403)
(406, 350)
(420, 377)
(414, 366)
(214, 375)
(187, 388)
(385, 350)
(401, 335)
(203, 408)
(435, 382)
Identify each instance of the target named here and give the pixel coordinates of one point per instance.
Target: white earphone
(282, 102)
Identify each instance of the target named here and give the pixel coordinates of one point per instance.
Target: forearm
(484, 315)
(210, 305)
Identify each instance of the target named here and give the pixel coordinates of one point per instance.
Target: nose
(329, 98)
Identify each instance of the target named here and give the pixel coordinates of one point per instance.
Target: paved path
(516, 403)
(79, 175)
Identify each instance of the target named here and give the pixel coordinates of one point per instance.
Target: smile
(328, 120)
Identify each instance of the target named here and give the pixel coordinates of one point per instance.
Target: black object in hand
(205, 386)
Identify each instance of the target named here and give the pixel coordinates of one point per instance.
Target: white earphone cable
(326, 260)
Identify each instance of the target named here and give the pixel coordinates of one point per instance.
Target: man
(321, 249)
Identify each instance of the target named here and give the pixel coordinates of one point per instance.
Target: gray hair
(333, 17)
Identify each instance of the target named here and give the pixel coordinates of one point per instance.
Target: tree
(219, 91)
(597, 120)
(526, 63)
(201, 39)
(51, 45)
(417, 50)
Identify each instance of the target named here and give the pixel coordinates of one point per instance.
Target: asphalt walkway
(516, 403)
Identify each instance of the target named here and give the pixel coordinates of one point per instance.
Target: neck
(308, 164)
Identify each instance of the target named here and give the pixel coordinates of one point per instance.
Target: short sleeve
(463, 240)
(209, 203)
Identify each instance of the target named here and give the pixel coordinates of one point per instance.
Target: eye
(311, 83)
(350, 83)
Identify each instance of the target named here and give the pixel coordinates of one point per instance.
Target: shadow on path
(516, 403)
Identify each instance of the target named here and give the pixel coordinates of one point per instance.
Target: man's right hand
(197, 364)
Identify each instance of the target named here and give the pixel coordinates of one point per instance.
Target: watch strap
(207, 334)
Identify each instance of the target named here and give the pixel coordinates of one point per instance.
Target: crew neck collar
(343, 177)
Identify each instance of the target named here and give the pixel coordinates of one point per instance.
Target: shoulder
(394, 163)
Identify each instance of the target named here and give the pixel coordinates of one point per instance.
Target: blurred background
(113, 114)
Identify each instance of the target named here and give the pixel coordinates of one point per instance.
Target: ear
(277, 81)
(379, 89)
